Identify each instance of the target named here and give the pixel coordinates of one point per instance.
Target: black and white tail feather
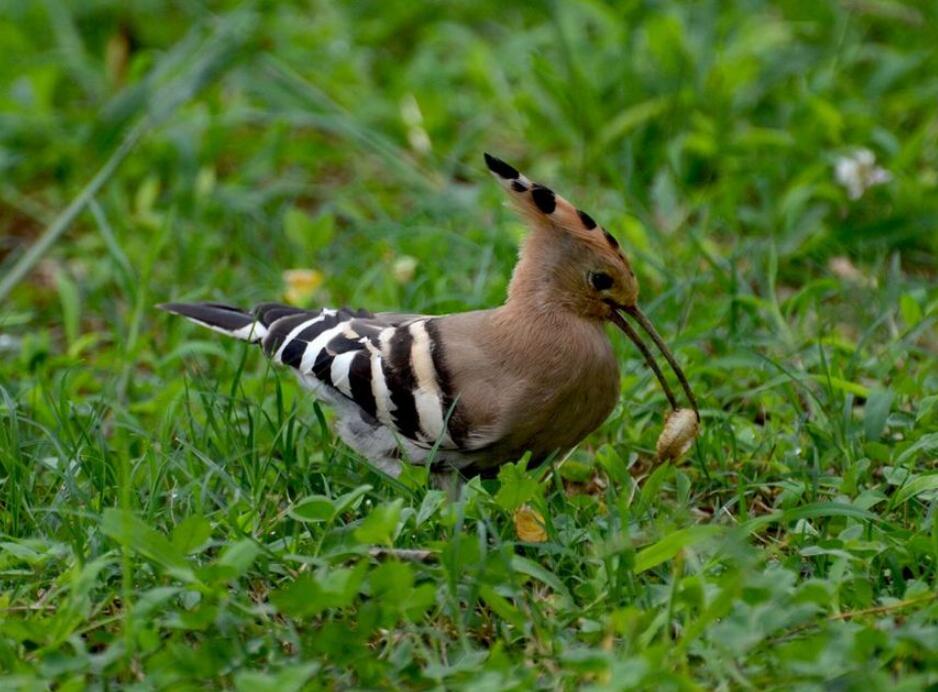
(384, 374)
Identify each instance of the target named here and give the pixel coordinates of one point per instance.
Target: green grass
(176, 514)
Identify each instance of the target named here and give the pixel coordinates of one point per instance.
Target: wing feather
(388, 369)
(391, 365)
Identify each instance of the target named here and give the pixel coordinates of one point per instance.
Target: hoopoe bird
(467, 392)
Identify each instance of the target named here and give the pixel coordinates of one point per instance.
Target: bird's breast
(565, 398)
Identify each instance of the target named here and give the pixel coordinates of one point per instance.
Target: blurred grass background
(153, 478)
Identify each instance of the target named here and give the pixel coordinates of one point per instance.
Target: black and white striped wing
(394, 371)
(391, 366)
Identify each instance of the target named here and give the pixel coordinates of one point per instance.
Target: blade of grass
(214, 58)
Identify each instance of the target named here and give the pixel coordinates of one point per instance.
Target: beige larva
(680, 428)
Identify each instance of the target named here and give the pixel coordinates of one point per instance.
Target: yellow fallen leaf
(301, 284)
(680, 428)
(529, 525)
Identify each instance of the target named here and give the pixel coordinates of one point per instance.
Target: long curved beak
(632, 311)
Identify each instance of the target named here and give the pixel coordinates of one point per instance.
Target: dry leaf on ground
(529, 525)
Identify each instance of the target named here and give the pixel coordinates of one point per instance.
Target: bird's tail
(221, 318)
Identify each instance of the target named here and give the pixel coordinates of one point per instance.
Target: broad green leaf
(910, 310)
(414, 477)
(314, 508)
(896, 475)
(467, 663)
(502, 607)
(576, 471)
(671, 545)
(349, 500)
(516, 486)
(809, 511)
(146, 195)
(22, 552)
(310, 594)
(150, 600)
(915, 487)
(380, 524)
(420, 599)
(827, 509)
(876, 411)
(523, 565)
(926, 407)
(926, 444)
(191, 534)
(653, 485)
(615, 465)
(392, 585)
(239, 556)
(432, 502)
(586, 660)
(300, 598)
(84, 580)
(133, 533)
(843, 385)
(309, 233)
(287, 679)
(392, 579)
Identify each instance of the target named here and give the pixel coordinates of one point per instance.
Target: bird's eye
(600, 280)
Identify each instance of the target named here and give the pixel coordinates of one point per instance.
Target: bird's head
(570, 262)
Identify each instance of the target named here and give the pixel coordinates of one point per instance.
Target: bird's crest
(547, 210)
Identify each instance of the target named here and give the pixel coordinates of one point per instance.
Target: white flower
(10, 343)
(404, 269)
(859, 172)
(413, 119)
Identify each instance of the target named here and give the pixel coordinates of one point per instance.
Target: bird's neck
(566, 360)
(546, 285)
(544, 319)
